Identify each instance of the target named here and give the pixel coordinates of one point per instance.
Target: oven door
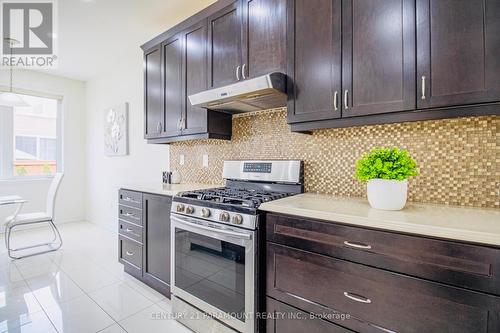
(213, 269)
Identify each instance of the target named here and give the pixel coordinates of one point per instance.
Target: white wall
(145, 163)
(122, 81)
(71, 197)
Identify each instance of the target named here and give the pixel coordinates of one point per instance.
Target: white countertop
(171, 190)
(458, 223)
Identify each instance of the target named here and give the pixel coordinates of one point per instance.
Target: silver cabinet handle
(423, 86)
(179, 124)
(129, 253)
(129, 199)
(183, 123)
(159, 127)
(346, 102)
(238, 73)
(336, 100)
(243, 71)
(358, 245)
(129, 230)
(357, 298)
(130, 215)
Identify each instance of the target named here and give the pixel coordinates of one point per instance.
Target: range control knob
(180, 208)
(189, 210)
(224, 217)
(205, 212)
(237, 219)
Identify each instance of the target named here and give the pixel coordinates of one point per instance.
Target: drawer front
(286, 319)
(463, 265)
(377, 300)
(130, 214)
(130, 230)
(130, 252)
(130, 198)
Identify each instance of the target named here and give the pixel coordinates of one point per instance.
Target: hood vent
(260, 93)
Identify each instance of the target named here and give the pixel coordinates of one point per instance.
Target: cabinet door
(378, 62)
(156, 238)
(458, 52)
(195, 71)
(264, 37)
(172, 59)
(314, 65)
(225, 46)
(153, 93)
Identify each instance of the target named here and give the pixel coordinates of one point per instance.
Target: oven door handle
(221, 231)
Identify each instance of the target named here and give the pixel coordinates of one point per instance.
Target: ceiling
(96, 37)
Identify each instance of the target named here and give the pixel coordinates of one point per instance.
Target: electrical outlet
(205, 161)
(181, 160)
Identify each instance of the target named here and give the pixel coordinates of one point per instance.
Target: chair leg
(57, 244)
(7, 236)
(54, 228)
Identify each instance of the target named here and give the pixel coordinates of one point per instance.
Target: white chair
(35, 218)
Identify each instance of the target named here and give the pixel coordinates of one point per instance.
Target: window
(30, 138)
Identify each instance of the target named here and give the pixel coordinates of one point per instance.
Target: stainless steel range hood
(260, 93)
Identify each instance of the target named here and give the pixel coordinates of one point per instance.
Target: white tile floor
(80, 288)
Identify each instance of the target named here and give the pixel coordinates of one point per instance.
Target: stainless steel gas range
(215, 239)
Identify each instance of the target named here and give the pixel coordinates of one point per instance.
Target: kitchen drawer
(130, 214)
(464, 265)
(130, 230)
(287, 319)
(130, 253)
(377, 300)
(130, 198)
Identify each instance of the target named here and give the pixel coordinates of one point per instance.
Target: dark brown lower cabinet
(361, 297)
(156, 254)
(144, 248)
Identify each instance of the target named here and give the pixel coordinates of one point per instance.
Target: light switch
(181, 160)
(205, 161)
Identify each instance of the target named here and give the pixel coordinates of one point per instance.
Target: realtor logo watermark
(28, 33)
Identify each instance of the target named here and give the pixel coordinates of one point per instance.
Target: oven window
(212, 270)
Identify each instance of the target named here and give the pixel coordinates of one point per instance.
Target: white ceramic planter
(387, 194)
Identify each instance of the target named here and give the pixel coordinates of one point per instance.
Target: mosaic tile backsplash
(458, 159)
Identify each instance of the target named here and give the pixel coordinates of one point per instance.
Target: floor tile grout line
(37, 300)
(52, 259)
(84, 292)
(90, 297)
(94, 301)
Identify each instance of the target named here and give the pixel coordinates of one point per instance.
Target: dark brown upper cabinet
(378, 56)
(348, 62)
(154, 118)
(180, 66)
(194, 119)
(458, 52)
(247, 39)
(225, 45)
(264, 37)
(314, 60)
(172, 74)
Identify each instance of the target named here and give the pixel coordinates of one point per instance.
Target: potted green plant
(386, 171)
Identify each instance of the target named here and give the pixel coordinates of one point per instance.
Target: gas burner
(248, 184)
(250, 198)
